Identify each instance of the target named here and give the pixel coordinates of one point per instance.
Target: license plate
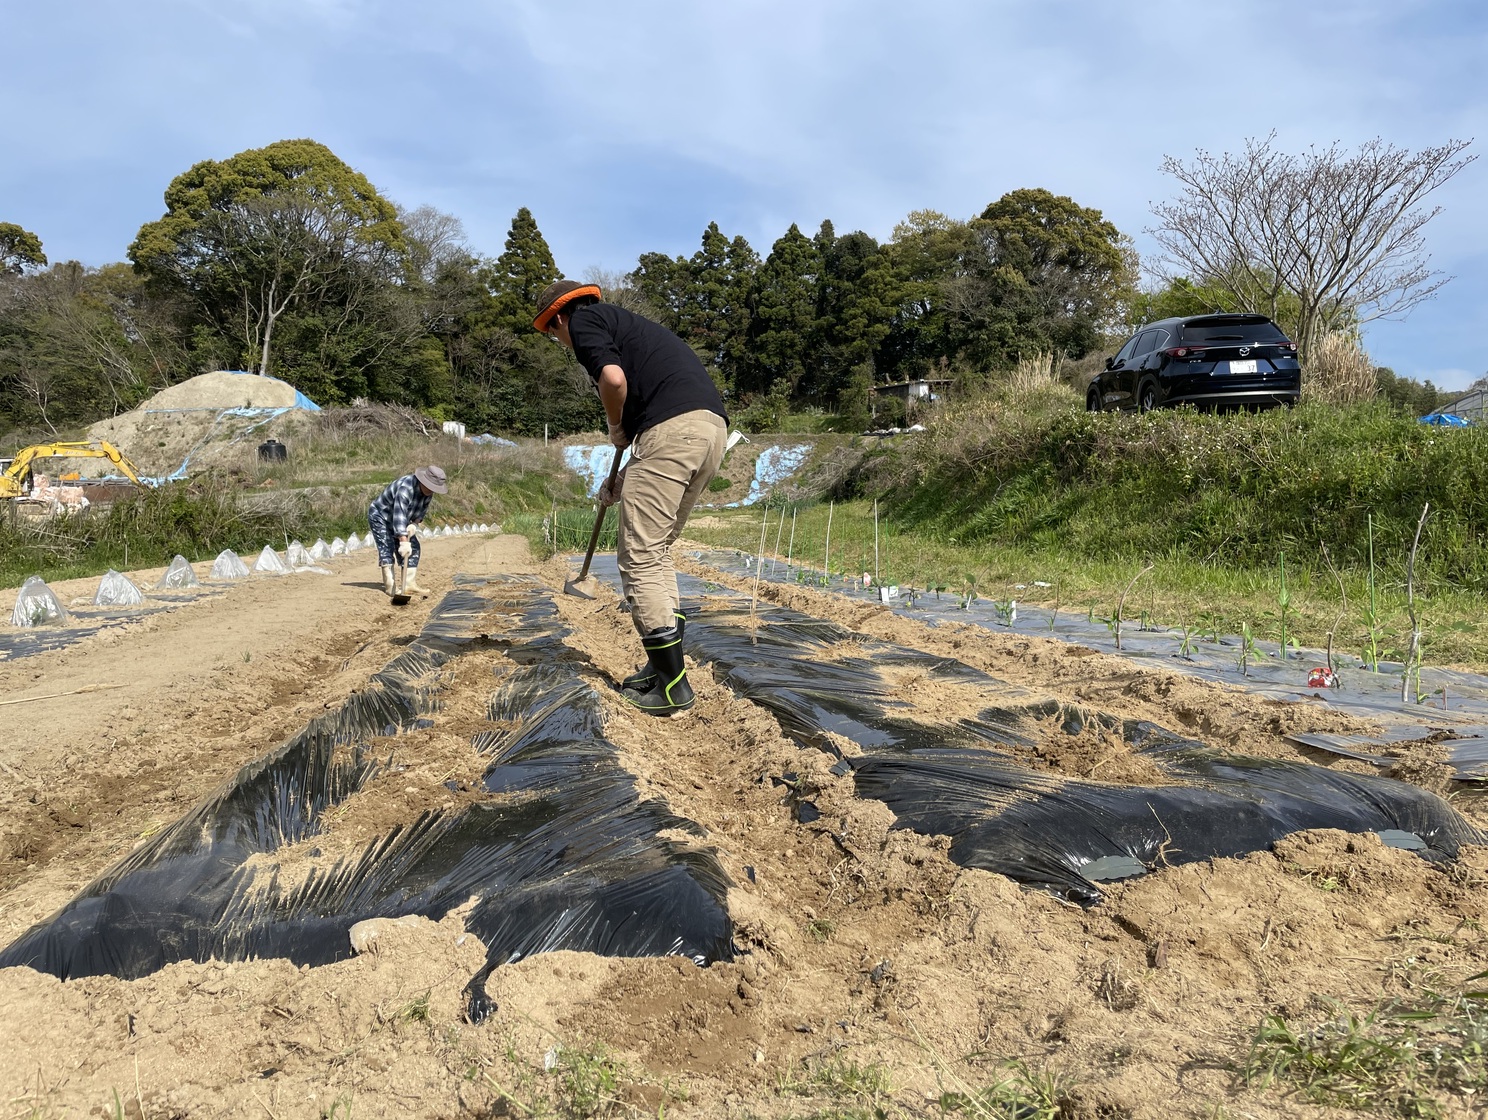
(1246, 366)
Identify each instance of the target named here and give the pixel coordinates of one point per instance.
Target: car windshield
(1251, 328)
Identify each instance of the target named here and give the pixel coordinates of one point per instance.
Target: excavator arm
(14, 478)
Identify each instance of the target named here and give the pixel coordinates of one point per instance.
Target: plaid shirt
(401, 504)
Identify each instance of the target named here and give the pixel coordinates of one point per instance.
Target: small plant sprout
(1247, 648)
(1185, 643)
(1122, 602)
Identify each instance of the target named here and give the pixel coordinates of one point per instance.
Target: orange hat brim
(545, 316)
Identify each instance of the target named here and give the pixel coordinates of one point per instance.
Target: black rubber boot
(644, 678)
(670, 692)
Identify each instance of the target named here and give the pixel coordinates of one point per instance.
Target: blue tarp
(1446, 420)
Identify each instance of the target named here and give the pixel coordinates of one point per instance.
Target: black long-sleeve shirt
(664, 378)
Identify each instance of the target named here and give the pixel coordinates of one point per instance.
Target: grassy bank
(322, 492)
(1236, 490)
(1231, 521)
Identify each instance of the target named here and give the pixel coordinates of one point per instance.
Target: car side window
(1128, 350)
(1146, 343)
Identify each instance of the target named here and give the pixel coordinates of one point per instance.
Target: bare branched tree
(434, 240)
(1329, 238)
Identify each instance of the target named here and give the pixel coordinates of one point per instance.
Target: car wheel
(1147, 397)
(1093, 400)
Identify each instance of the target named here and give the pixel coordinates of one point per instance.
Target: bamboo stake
(775, 556)
(754, 595)
(791, 546)
(1413, 653)
(54, 695)
(827, 548)
(876, 580)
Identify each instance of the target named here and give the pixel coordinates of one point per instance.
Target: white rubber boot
(410, 583)
(387, 579)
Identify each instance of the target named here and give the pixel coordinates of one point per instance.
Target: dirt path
(872, 973)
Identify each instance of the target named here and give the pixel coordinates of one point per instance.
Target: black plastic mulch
(964, 778)
(563, 854)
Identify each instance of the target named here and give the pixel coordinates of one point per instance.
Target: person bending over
(660, 402)
(393, 516)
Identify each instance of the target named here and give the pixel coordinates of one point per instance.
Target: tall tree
(857, 299)
(665, 283)
(1045, 274)
(1338, 232)
(270, 231)
(927, 252)
(20, 249)
(524, 268)
(784, 313)
(715, 309)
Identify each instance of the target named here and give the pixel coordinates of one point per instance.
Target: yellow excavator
(15, 474)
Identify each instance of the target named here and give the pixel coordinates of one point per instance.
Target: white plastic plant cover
(319, 550)
(338, 547)
(268, 561)
(353, 543)
(484, 528)
(179, 574)
(228, 566)
(35, 604)
(116, 589)
(296, 556)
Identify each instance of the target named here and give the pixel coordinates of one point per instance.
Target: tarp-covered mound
(564, 854)
(229, 389)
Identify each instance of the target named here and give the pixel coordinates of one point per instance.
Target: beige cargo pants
(670, 466)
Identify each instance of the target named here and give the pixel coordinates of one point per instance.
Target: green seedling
(1186, 644)
(1247, 648)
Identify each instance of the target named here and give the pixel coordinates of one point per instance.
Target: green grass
(845, 1088)
(1020, 1092)
(1402, 1058)
(1179, 592)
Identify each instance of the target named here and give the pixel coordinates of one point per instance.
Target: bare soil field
(871, 974)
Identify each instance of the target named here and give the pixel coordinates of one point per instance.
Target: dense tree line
(283, 260)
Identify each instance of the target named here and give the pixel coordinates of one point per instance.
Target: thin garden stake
(775, 556)
(827, 548)
(754, 595)
(875, 543)
(1413, 653)
(791, 546)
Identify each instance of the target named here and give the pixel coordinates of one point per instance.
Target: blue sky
(627, 127)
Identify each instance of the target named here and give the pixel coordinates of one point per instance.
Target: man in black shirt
(660, 402)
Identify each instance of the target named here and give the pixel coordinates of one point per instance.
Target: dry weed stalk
(1339, 371)
(1035, 371)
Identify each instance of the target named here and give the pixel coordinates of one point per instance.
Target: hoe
(582, 585)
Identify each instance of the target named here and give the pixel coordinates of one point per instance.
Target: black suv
(1208, 361)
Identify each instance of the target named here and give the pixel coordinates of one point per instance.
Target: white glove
(618, 436)
(405, 549)
(609, 493)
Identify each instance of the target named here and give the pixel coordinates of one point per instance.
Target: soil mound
(224, 389)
